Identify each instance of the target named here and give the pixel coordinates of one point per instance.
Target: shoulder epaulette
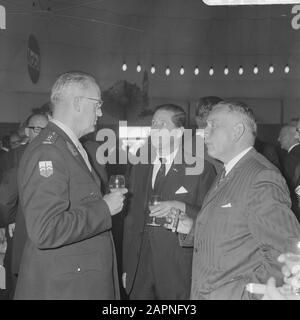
(51, 138)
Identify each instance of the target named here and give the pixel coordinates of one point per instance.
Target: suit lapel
(213, 192)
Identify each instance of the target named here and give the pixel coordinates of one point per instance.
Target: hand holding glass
(153, 201)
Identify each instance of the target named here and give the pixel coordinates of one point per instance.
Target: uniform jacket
(69, 253)
(241, 230)
(196, 187)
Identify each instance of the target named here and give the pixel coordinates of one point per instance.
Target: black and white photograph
(149, 150)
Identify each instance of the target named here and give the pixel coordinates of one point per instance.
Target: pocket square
(181, 190)
(228, 205)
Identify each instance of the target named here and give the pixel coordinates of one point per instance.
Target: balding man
(245, 218)
(69, 253)
(36, 123)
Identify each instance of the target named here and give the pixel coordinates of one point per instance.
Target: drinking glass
(116, 182)
(153, 201)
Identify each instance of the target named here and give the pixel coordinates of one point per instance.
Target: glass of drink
(116, 182)
(292, 261)
(153, 201)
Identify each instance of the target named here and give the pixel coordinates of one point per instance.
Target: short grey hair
(245, 112)
(74, 78)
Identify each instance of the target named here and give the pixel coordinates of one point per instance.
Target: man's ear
(77, 104)
(239, 130)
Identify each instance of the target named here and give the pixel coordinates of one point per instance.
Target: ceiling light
(286, 69)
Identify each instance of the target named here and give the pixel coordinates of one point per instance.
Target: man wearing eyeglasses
(69, 253)
(36, 123)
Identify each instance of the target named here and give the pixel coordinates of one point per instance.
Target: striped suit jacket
(242, 228)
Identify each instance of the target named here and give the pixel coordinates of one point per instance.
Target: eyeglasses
(158, 124)
(98, 102)
(36, 129)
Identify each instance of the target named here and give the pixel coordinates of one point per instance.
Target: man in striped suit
(245, 218)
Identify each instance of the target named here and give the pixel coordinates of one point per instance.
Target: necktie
(160, 174)
(221, 178)
(84, 156)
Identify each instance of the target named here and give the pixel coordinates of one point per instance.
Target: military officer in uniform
(69, 253)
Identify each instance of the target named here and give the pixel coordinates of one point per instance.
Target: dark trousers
(164, 272)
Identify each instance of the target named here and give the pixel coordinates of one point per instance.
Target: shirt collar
(169, 158)
(235, 160)
(292, 147)
(69, 132)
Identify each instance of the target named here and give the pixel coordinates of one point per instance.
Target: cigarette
(256, 288)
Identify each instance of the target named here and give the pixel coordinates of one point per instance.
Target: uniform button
(196, 250)
(78, 269)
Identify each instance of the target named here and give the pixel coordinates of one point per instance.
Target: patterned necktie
(84, 156)
(221, 178)
(160, 174)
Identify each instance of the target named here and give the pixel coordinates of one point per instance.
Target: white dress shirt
(228, 166)
(292, 147)
(168, 162)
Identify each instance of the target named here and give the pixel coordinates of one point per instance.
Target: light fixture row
(210, 72)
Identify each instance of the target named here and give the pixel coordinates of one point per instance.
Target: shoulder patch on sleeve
(46, 168)
(51, 138)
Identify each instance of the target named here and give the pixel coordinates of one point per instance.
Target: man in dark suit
(154, 264)
(69, 253)
(245, 218)
(289, 141)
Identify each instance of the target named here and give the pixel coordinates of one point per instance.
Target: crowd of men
(215, 231)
